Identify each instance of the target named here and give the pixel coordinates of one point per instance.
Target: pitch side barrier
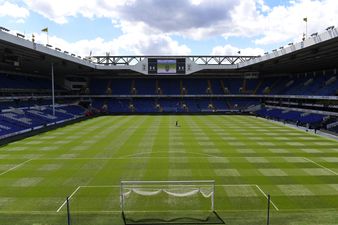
(334, 98)
(220, 112)
(191, 96)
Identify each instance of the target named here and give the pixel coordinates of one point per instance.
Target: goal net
(147, 202)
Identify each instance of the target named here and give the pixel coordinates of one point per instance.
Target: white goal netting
(167, 200)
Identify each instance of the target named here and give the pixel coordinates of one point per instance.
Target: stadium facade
(296, 83)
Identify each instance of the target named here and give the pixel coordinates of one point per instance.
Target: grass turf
(246, 156)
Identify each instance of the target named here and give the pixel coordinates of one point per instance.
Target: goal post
(146, 202)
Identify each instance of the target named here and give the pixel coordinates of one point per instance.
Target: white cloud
(198, 19)
(263, 7)
(143, 44)
(126, 44)
(81, 47)
(59, 11)
(196, 2)
(147, 25)
(232, 50)
(281, 24)
(13, 10)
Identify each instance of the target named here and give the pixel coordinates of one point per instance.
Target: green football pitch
(247, 157)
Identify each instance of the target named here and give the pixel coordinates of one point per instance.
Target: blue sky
(168, 27)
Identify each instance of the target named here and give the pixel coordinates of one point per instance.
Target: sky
(168, 27)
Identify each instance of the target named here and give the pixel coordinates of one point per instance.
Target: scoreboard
(166, 66)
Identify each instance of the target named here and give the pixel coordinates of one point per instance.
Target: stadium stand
(15, 121)
(20, 82)
(332, 127)
(311, 120)
(302, 85)
(196, 88)
(286, 85)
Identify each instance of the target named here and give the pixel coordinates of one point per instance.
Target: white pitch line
(203, 155)
(165, 152)
(68, 198)
(144, 157)
(321, 166)
(216, 185)
(234, 185)
(119, 211)
(267, 197)
(13, 168)
(100, 186)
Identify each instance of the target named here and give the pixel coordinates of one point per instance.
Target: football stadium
(169, 139)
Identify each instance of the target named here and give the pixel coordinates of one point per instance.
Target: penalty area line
(311, 161)
(17, 166)
(266, 197)
(63, 204)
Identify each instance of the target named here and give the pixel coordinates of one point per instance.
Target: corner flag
(305, 19)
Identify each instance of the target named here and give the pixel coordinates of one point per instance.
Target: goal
(165, 202)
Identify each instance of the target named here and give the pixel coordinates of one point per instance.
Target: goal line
(77, 189)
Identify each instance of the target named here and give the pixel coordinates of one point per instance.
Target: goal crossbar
(169, 182)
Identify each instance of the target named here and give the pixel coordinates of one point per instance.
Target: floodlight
(329, 28)
(57, 49)
(49, 46)
(290, 43)
(314, 34)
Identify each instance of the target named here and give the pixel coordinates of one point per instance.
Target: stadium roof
(315, 53)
